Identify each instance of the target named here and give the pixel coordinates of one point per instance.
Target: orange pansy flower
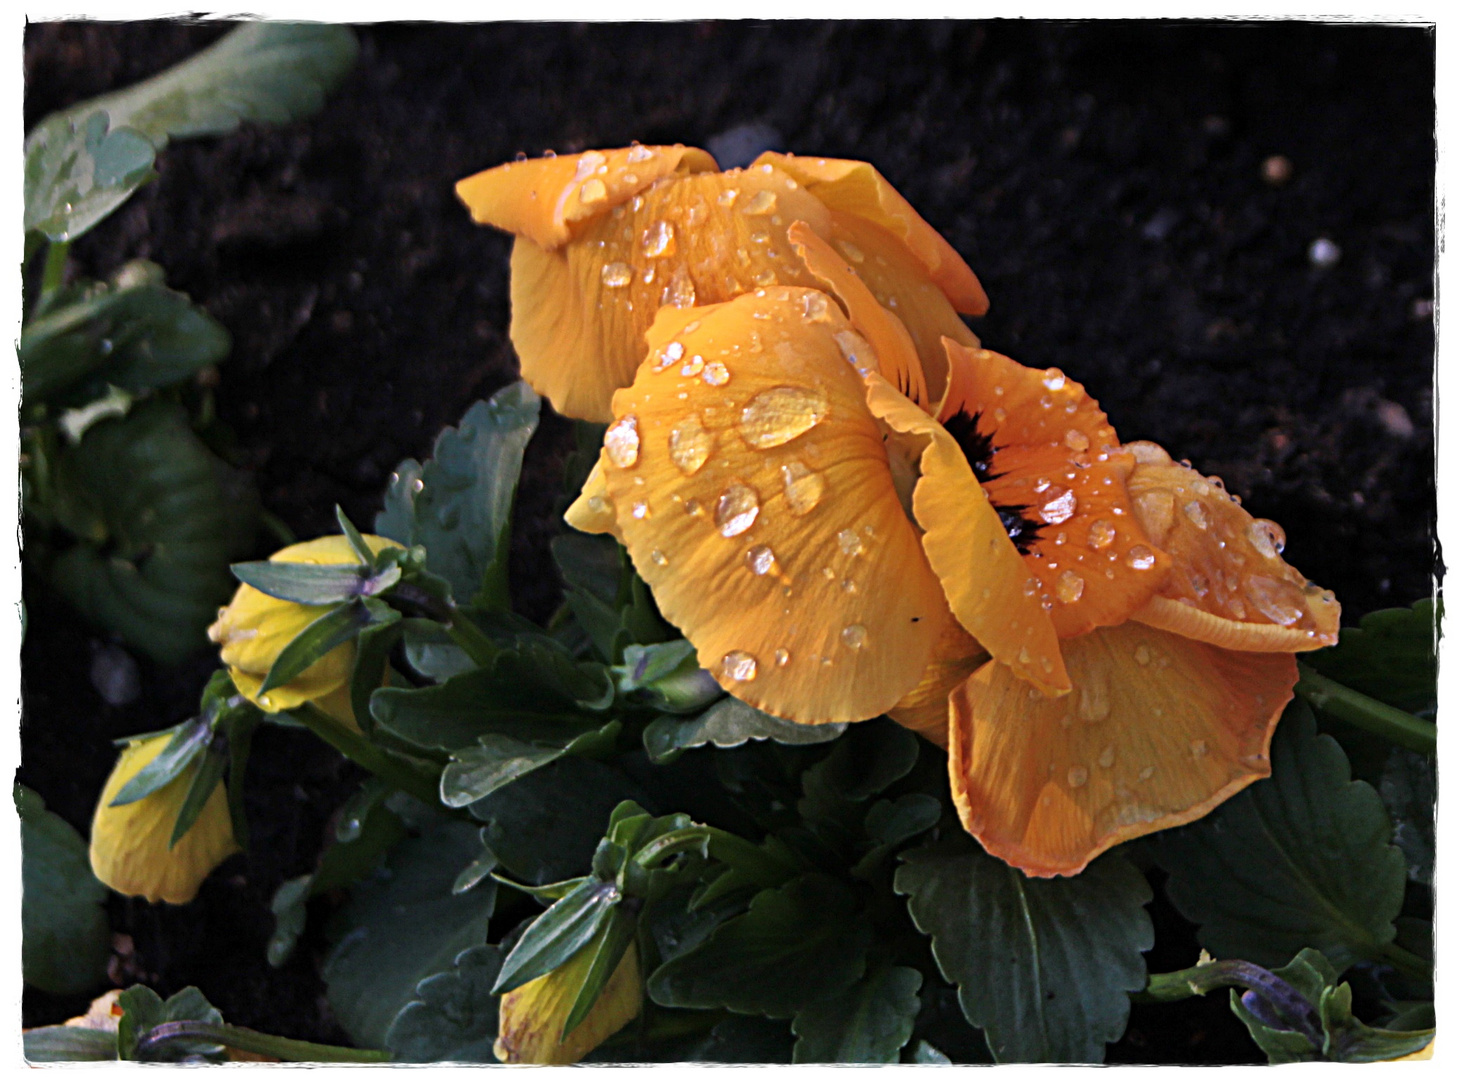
(839, 537)
(606, 238)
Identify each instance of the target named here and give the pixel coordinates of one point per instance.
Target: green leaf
(454, 1014)
(478, 870)
(77, 171)
(888, 825)
(1044, 966)
(322, 636)
(403, 925)
(1409, 790)
(546, 826)
(173, 515)
(458, 504)
(494, 762)
(351, 533)
(290, 916)
(188, 740)
(205, 779)
(1301, 859)
(864, 1025)
(729, 722)
(60, 1043)
(795, 945)
(926, 1054)
(301, 583)
(607, 948)
(744, 1040)
(1392, 657)
(558, 934)
(870, 758)
(142, 1010)
(66, 938)
(133, 332)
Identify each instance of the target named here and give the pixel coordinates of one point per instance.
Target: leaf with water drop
(729, 723)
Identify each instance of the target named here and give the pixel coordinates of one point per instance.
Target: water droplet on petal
(594, 191)
(781, 657)
(691, 367)
(1023, 656)
(622, 442)
(1054, 379)
(775, 416)
(1100, 534)
(728, 196)
(641, 510)
(1075, 440)
(1070, 587)
(1146, 772)
(689, 444)
(1077, 776)
(671, 354)
(1198, 748)
(848, 587)
(616, 275)
(597, 504)
(803, 487)
(740, 666)
(760, 559)
(850, 251)
(1106, 758)
(1267, 537)
(1061, 504)
(737, 508)
(680, 292)
(1142, 655)
(659, 559)
(715, 373)
(1140, 557)
(854, 636)
(763, 202)
(1196, 513)
(1278, 601)
(816, 307)
(658, 240)
(850, 542)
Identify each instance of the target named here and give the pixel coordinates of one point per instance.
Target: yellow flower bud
(129, 844)
(532, 1016)
(256, 627)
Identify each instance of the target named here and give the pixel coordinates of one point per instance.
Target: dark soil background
(1105, 180)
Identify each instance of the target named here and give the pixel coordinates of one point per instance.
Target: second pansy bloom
(839, 539)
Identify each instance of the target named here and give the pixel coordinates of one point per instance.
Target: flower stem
(1408, 963)
(256, 1042)
(1366, 713)
(54, 273)
(362, 752)
(1288, 1008)
(468, 636)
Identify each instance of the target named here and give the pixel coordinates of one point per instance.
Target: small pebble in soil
(114, 674)
(1324, 253)
(1276, 170)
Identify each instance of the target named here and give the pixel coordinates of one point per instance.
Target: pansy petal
(592, 510)
(1158, 730)
(856, 189)
(925, 709)
(579, 311)
(543, 197)
(754, 495)
(899, 362)
(1046, 452)
(1229, 586)
(984, 576)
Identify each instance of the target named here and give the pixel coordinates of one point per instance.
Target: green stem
(54, 274)
(469, 637)
(241, 1038)
(1408, 963)
(362, 752)
(736, 851)
(1366, 713)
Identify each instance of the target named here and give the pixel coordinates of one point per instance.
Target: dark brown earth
(1103, 179)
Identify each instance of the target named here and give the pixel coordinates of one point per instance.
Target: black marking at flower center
(980, 454)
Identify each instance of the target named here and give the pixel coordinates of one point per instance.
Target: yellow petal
(579, 311)
(1229, 586)
(926, 709)
(129, 849)
(532, 1016)
(983, 575)
(855, 189)
(1157, 731)
(592, 510)
(255, 628)
(1046, 452)
(542, 198)
(753, 492)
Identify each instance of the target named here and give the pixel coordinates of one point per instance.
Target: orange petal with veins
(1158, 730)
(579, 311)
(1053, 455)
(856, 189)
(1229, 586)
(985, 578)
(544, 197)
(753, 492)
(925, 709)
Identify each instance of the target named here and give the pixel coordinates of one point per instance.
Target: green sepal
(607, 950)
(371, 660)
(553, 892)
(558, 933)
(1392, 657)
(326, 633)
(312, 585)
(143, 1010)
(189, 739)
(60, 1043)
(205, 780)
(354, 536)
(477, 870)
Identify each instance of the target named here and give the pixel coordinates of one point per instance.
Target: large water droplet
(854, 636)
(1054, 379)
(1196, 513)
(850, 542)
(616, 275)
(1140, 557)
(737, 508)
(1061, 504)
(622, 442)
(1267, 537)
(689, 444)
(639, 153)
(1070, 587)
(803, 487)
(594, 191)
(1155, 510)
(775, 416)
(850, 251)
(1100, 534)
(658, 240)
(763, 202)
(1077, 776)
(1075, 440)
(715, 373)
(1278, 601)
(680, 292)
(760, 559)
(740, 666)
(816, 307)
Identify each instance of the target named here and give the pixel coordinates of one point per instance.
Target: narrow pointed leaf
(558, 933)
(187, 742)
(302, 583)
(210, 768)
(608, 949)
(324, 634)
